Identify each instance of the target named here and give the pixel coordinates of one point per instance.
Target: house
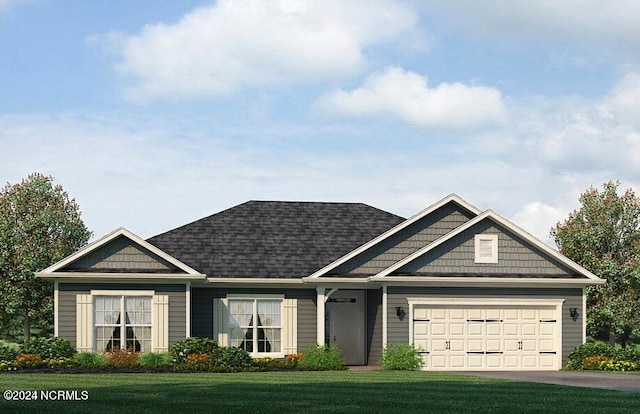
(467, 287)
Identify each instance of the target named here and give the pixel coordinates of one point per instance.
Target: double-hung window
(122, 322)
(255, 325)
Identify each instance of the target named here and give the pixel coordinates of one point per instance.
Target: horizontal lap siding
(67, 306)
(398, 330)
(202, 310)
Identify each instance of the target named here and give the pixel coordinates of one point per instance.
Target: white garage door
(487, 338)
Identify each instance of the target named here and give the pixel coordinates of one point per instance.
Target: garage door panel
(457, 329)
(529, 329)
(475, 329)
(494, 329)
(547, 329)
(438, 329)
(420, 313)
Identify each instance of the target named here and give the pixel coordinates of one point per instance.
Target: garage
(487, 336)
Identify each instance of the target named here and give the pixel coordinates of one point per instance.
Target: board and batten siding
(405, 242)
(67, 306)
(398, 329)
(202, 310)
(457, 255)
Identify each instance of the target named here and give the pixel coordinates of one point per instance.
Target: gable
(121, 255)
(405, 242)
(517, 257)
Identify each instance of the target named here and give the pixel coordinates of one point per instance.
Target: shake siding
(458, 256)
(398, 330)
(202, 310)
(374, 326)
(405, 242)
(67, 309)
(122, 253)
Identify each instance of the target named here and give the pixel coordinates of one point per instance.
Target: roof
(274, 239)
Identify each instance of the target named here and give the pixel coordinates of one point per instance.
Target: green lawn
(309, 392)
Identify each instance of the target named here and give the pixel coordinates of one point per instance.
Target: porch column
(384, 316)
(320, 315)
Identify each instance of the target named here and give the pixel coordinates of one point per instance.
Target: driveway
(610, 381)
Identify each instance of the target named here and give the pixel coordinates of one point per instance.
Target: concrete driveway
(610, 381)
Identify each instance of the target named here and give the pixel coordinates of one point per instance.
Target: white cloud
(407, 96)
(623, 102)
(234, 44)
(538, 218)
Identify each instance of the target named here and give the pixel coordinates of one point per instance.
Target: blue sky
(153, 114)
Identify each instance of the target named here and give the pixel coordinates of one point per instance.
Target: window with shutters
(255, 325)
(123, 322)
(486, 248)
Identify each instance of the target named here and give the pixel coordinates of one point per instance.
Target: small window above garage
(486, 248)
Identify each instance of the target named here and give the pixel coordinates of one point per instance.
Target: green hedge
(599, 356)
(401, 357)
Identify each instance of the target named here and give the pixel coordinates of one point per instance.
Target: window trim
(493, 239)
(123, 325)
(281, 327)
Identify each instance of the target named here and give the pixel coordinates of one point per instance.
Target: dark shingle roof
(273, 239)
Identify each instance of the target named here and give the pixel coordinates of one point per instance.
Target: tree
(39, 225)
(604, 237)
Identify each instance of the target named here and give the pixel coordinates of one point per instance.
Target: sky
(155, 113)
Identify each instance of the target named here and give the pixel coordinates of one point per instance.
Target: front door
(347, 325)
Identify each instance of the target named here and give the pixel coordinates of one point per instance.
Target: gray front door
(347, 325)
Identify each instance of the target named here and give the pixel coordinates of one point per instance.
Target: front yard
(283, 392)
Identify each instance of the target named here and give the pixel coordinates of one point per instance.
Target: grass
(310, 392)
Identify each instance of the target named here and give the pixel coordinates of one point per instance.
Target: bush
(91, 359)
(576, 358)
(57, 363)
(321, 358)
(199, 362)
(401, 357)
(121, 358)
(292, 360)
(48, 347)
(599, 356)
(269, 364)
(29, 361)
(8, 353)
(155, 360)
(231, 358)
(194, 345)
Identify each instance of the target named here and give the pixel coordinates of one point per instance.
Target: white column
(187, 298)
(56, 308)
(320, 315)
(384, 316)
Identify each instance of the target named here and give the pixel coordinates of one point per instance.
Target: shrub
(155, 359)
(231, 358)
(199, 362)
(29, 361)
(91, 359)
(7, 366)
(193, 345)
(292, 360)
(576, 358)
(48, 347)
(269, 363)
(56, 363)
(321, 358)
(401, 357)
(8, 353)
(122, 358)
(611, 365)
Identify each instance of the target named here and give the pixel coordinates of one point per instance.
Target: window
(486, 248)
(255, 325)
(123, 322)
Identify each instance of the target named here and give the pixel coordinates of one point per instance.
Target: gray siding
(457, 256)
(405, 242)
(122, 254)
(374, 326)
(67, 306)
(202, 310)
(398, 330)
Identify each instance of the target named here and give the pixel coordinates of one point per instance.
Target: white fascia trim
(121, 276)
(486, 281)
(450, 198)
(338, 280)
(109, 237)
(489, 214)
(253, 281)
